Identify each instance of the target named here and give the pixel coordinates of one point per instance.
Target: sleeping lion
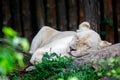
(66, 43)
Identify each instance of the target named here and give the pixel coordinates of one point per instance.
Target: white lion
(67, 43)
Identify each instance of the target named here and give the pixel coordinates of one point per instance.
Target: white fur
(42, 37)
(47, 35)
(58, 46)
(50, 40)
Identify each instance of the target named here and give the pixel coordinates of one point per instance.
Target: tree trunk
(1, 19)
(61, 15)
(51, 13)
(72, 14)
(91, 13)
(118, 17)
(16, 16)
(26, 19)
(105, 53)
(40, 13)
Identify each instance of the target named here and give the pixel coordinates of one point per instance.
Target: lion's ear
(84, 25)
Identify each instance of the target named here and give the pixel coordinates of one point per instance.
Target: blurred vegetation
(10, 57)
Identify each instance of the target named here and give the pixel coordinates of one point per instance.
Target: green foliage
(107, 22)
(19, 41)
(51, 65)
(84, 73)
(13, 40)
(9, 56)
(9, 32)
(55, 67)
(111, 67)
(103, 32)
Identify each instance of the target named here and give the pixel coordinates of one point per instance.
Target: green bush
(51, 65)
(10, 57)
(111, 67)
(54, 67)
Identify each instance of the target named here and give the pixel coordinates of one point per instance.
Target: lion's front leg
(37, 57)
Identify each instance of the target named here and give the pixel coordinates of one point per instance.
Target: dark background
(28, 16)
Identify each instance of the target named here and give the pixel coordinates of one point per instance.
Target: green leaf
(107, 20)
(24, 44)
(16, 41)
(103, 33)
(9, 31)
(72, 78)
(6, 58)
(46, 56)
(60, 79)
(53, 55)
(118, 70)
(19, 58)
(21, 41)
